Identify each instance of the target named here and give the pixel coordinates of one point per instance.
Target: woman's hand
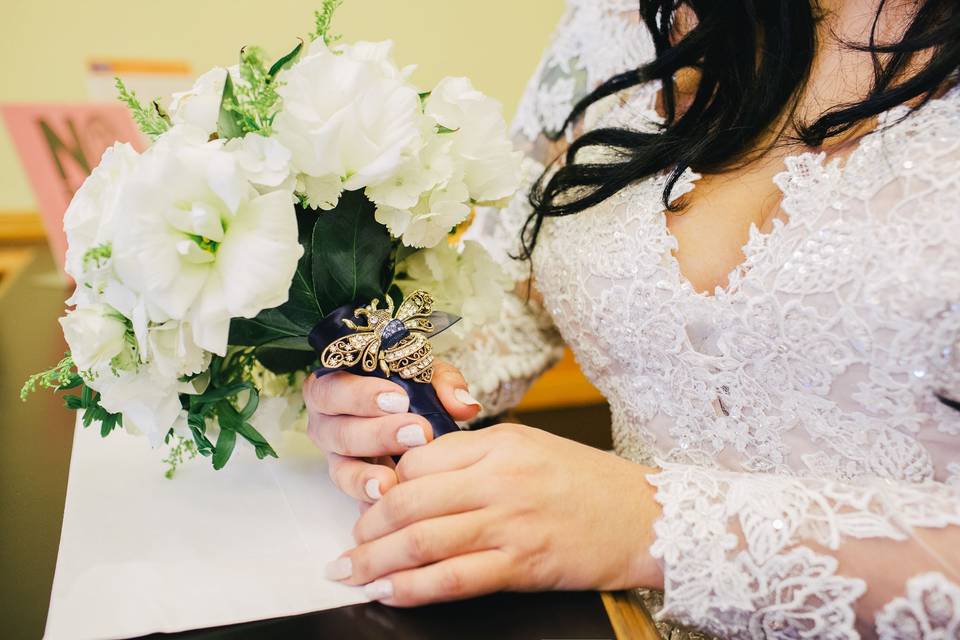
(504, 508)
(353, 418)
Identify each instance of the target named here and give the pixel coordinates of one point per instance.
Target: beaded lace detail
(794, 411)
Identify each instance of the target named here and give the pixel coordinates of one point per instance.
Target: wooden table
(34, 458)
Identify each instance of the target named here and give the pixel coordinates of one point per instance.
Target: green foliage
(229, 379)
(65, 376)
(250, 103)
(89, 402)
(180, 451)
(60, 377)
(323, 18)
(152, 121)
(351, 253)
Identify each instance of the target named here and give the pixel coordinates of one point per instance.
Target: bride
(744, 219)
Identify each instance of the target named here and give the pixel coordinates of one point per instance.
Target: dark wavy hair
(752, 58)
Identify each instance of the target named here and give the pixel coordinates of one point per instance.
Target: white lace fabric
(810, 481)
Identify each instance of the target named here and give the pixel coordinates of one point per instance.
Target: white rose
(347, 118)
(491, 166)
(429, 222)
(264, 161)
(199, 243)
(96, 335)
(89, 220)
(200, 106)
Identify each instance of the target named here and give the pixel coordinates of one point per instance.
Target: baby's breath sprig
(181, 450)
(324, 17)
(59, 377)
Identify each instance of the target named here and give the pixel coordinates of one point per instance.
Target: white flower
(429, 222)
(146, 385)
(432, 166)
(172, 352)
(491, 166)
(148, 400)
(200, 106)
(347, 117)
(89, 220)
(465, 280)
(198, 243)
(96, 335)
(264, 161)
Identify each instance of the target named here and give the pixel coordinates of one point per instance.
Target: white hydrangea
(491, 168)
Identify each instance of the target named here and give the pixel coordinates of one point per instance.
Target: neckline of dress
(784, 220)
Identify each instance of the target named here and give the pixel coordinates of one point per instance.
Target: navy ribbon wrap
(423, 397)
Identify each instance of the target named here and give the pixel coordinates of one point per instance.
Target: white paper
(140, 553)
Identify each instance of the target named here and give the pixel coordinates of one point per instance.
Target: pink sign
(59, 145)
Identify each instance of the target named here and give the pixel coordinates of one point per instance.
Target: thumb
(452, 390)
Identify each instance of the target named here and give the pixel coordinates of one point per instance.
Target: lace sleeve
(769, 556)
(594, 40)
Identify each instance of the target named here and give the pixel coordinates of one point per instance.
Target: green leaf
(260, 446)
(280, 360)
(286, 61)
(351, 253)
(227, 126)
(224, 449)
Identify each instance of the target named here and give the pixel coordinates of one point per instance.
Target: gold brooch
(396, 343)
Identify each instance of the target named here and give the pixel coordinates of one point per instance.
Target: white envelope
(140, 553)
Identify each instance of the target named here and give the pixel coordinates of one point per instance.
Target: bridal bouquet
(289, 217)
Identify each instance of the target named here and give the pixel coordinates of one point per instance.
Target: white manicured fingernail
(411, 435)
(463, 396)
(379, 590)
(372, 487)
(339, 569)
(393, 402)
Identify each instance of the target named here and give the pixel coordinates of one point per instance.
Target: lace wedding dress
(810, 476)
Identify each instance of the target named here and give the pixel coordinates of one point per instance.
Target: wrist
(645, 570)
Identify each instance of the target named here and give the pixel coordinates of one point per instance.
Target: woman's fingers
(464, 576)
(369, 437)
(359, 479)
(346, 394)
(452, 390)
(409, 502)
(419, 544)
(453, 451)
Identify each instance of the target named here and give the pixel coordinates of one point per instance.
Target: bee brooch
(396, 343)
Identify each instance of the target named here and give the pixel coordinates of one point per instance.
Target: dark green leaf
(286, 60)
(227, 126)
(260, 446)
(280, 360)
(253, 401)
(351, 253)
(224, 449)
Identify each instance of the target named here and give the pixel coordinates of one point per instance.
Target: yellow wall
(45, 44)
